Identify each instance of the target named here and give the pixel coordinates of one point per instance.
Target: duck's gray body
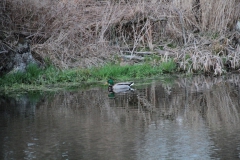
(121, 87)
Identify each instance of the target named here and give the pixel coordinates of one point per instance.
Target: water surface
(183, 118)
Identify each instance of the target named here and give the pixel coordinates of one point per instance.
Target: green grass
(135, 71)
(52, 77)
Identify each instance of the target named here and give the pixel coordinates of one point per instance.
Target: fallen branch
(3, 52)
(163, 53)
(133, 57)
(139, 53)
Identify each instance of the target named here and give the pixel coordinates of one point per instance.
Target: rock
(17, 58)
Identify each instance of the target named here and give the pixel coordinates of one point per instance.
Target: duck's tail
(131, 84)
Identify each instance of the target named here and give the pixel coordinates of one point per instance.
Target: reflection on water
(191, 118)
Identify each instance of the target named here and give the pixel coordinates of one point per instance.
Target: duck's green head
(110, 82)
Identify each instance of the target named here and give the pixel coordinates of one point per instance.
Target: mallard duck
(119, 87)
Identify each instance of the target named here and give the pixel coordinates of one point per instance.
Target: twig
(3, 52)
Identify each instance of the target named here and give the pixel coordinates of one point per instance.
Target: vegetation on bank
(80, 33)
(51, 76)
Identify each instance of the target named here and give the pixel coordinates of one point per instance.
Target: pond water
(166, 118)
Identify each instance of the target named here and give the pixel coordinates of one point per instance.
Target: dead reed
(80, 33)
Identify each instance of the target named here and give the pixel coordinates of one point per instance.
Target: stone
(17, 58)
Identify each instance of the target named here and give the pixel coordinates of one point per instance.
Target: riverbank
(86, 40)
(52, 78)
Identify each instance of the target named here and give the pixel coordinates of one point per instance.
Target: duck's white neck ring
(110, 88)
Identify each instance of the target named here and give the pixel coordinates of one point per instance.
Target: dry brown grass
(84, 33)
